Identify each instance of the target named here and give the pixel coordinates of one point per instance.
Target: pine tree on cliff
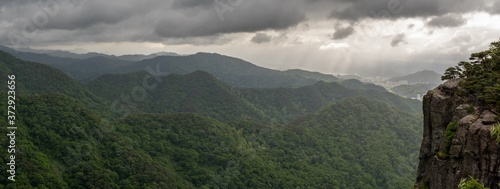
(480, 75)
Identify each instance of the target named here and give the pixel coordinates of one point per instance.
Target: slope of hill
(195, 92)
(356, 84)
(70, 146)
(79, 68)
(233, 71)
(202, 93)
(38, 57)
(89, 69)
(63, 144)
(360, 139)
(35, 78)
(286, 104)
(313, 75)
(426, 76)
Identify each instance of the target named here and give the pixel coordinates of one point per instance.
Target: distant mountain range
(417, 84)
(67, 54)
(233, 71)
(425, 76)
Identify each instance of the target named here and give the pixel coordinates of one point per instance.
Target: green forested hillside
(202, 93)
(355, 143)
(195, 92)
(36, 78)
(285, 104)
(233, 71)
(193, 131)
(83, 68)
(313, 75)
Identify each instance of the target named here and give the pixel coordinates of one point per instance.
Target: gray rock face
(472, 153)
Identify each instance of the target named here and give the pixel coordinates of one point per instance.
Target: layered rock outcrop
(473, 152)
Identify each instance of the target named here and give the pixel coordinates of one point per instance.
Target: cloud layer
(449, 20)
(56, 21)
(341, 33)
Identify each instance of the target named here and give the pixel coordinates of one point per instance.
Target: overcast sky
(330, 36)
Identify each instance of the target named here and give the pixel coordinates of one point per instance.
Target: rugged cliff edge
(473, 152)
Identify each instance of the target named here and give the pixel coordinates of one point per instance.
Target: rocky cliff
(472, 151)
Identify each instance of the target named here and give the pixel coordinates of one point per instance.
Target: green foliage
(200, 92)
(197, 92)
(495, 132)
(480, 76)
(470, 109)
(35, 78)
(448, 135)
(470, 184)
(330, 142)
(442, 155)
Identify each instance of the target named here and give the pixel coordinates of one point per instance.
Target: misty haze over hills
(26, 53)
(233, 71)
(236, 72)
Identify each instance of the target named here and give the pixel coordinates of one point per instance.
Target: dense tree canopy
(194, 131)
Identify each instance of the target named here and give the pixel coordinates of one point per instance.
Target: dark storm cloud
(341, 33)
(12, 3)
(191, 3)
(449, 20)
(39, 21)
(148, 20)
(495, 8)
(394, 9)
(261, 38)
(399, 38)
(90, 14)
(248, 17)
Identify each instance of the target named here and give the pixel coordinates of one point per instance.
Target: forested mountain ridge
(197, 92)
(202, 93)
(36, 78)
(66, 142)
(80, 69)
(233, 71)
